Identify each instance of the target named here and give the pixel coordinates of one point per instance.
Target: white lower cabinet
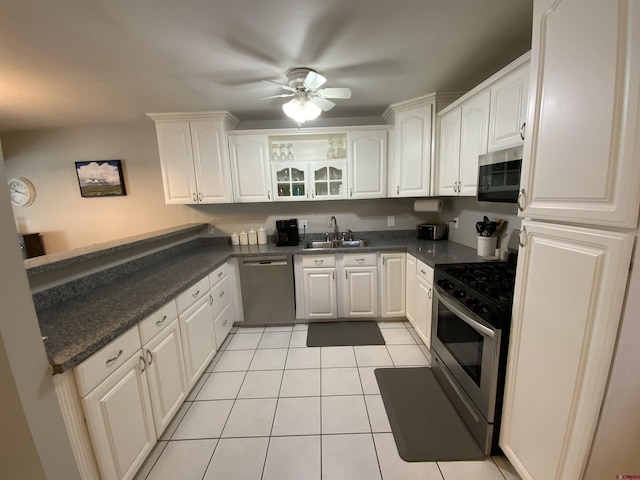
(320, 293)
(166, 374)
(198, 338)
(424, 301)
(120, 421)
(410, 289)
(360, 286)
(392, 284)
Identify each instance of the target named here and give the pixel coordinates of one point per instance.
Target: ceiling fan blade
(286, 87)
(335, 92)
(278, 96)
(313, 81)
(323, 103)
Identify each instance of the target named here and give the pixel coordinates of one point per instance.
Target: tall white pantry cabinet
(580, 199)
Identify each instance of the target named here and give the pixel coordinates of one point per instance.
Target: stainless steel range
(470, 334)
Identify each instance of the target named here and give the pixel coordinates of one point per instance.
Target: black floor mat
(425, 426)
(332, 334)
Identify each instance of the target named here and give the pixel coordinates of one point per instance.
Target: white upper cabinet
(509, 109)
(473, 141)
(194, 157)
(449, 152)
(410, 170)
(368, 164)
(581, 150)
(250, 168)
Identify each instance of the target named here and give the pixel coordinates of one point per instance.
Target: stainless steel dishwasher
(267, 289)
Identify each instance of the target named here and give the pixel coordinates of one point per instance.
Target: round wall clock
(22, 192)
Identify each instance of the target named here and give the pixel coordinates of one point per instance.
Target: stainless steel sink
(337, 244)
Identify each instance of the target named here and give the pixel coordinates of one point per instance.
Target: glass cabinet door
(328, 180)
(289, 182)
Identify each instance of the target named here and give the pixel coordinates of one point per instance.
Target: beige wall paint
(67, 220)
(31, 419)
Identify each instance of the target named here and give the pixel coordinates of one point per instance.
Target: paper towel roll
(427, 205)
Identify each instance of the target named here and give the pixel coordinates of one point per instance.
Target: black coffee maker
(287, 232)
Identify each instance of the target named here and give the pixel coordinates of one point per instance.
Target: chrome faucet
(333, 223)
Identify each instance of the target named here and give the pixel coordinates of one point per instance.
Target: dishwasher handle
(265, 263)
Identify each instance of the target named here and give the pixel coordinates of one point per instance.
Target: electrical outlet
(455, 222)
(391, 221)
(304, 224)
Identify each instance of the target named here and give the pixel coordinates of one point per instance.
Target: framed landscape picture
(100, 178)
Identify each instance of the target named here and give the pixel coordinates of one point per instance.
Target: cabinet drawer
(157, 321)
(318, 261)
(360, 259)
(223, 323)
(424, 271)
(193, 293)
(106, 361)
(221, 295)
(218, 274)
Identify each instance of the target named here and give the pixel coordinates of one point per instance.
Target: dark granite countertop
(80, 326)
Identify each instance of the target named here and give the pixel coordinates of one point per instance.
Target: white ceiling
(74, 62)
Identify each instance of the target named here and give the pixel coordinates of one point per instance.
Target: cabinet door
(368, 164)
(166, 375)
(211, 161)
(392, 284)
(508, 109)
(410, 294)
(570, 286)
(176, 162)
(290, 181)
(360, 292)
(223, 324)
(413, 152)
(474, 133)
(120, 422)
(328, 180)
(424, 304)
(250, 168)
(198, 338)
(581, 158)
(449, 153)
(320, 293)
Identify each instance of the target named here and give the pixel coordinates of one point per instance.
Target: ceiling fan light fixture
(301, 109)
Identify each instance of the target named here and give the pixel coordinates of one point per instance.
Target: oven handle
(487, 332)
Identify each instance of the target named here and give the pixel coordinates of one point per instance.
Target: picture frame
(100, 178)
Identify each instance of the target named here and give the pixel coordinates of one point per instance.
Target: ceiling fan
(309, 100)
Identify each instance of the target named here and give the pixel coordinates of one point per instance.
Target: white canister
(486, 246)
(244, 239)
(235, 239)
(262, 236)
(253, 237)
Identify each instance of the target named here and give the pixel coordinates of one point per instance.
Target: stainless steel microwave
(499, 175)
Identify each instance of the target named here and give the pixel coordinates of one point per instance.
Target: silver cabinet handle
(521, 196)
(200, 197)
(318, 262)
(351, 192)
(196, 294)
(307, 194)
(144, 365)
(269, 194)
(522, 234)
(430, 295)
(210, 300)
(333, 274)
(225, 322)
(195, 199)
(114, 358)
(313, 194)
(397, 190)
(222, 294)
(160, 322)
(220, 274)
(423, 272)
(150, 357)
(346, 275)
(522, 130)
(360, 260)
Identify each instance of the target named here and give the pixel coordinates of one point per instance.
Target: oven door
(469, 349)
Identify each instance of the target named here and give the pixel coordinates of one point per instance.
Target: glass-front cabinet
(290, 181)
(328, 180)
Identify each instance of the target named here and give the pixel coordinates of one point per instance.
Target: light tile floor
(270, 408)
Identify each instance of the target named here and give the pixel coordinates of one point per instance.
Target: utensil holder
(487, 246)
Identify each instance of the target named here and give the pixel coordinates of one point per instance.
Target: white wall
(67, 220)
(33, 441)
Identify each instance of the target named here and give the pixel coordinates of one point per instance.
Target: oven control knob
(470, 302)
(459, 294)
(445, 284)
(480, 309)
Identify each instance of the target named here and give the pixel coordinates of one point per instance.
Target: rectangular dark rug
(425, 425)
(338, 334)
